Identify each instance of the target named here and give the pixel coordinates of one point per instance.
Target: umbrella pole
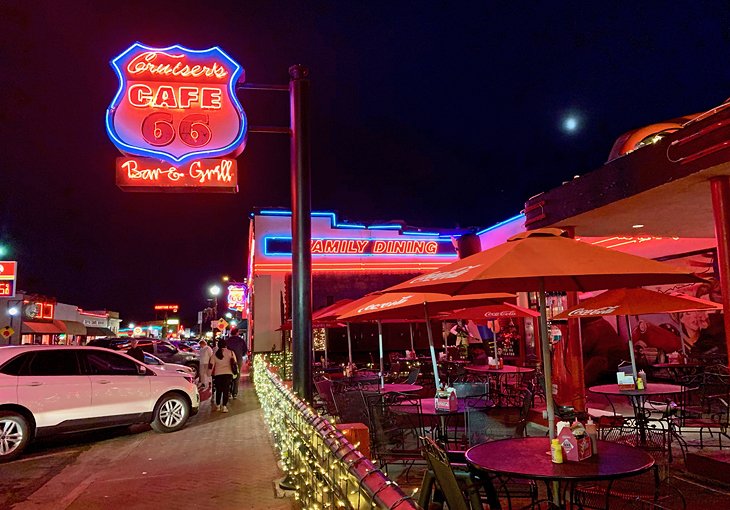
(681, 341)
(431, 348)
(380, 346)
(410, 325)
(548, 368)
(631, 349)
(349, 343)
(326, 338)
(494, 337)
(547, 362)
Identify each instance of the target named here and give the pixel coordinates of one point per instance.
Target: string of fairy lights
(325, 470)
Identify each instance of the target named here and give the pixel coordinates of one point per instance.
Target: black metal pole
(301, 223)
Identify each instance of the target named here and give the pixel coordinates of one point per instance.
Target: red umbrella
(545, 260)
(635, 302)
(412, 306)
(490, 313)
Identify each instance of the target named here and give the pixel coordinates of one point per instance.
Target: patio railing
(325, 470)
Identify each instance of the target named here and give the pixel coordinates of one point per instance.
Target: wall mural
(660, 338)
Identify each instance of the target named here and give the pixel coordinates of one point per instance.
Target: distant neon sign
(166, 308)
(176, 104)
(146, 174)
(410, 247)
(237, 297)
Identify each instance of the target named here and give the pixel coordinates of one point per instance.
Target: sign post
(301, 231)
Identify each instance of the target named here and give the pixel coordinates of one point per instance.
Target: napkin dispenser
(446, 400)
(575, 448)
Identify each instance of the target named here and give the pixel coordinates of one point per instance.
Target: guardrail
(325, 470)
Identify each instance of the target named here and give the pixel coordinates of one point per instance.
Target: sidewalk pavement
(218, 461)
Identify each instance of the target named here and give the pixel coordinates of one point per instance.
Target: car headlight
(189, 379)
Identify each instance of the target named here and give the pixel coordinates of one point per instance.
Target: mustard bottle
(556, 451)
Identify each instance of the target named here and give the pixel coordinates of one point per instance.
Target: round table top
(366, 377)
(691, 364)
(530, 458)
(652, 388)
(394, 388)
(506, 369)
(420, 359)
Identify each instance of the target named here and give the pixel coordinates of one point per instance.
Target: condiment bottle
(501, 363)
(592, 432)
(556, 451)
(642, 376)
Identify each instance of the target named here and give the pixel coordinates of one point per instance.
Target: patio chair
(325, 402)
(396, 426)
(654, 486)
(458, 488)
(712, 416)
(412, 376)
(352, 406)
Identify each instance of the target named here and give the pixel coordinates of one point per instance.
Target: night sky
(441, 114)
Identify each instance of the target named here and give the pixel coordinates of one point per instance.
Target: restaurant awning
(74, 328)
(43, 328)
(97, 331)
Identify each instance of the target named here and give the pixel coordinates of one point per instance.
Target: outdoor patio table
(393, 388)
(420, 359)
(357, 379)
(679, 370)
(638, 399)
(529, 458)
(428, 408)
(500, 376)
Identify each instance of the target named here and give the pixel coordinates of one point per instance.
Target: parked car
(49, 390)
(156, 362)
(160, 348)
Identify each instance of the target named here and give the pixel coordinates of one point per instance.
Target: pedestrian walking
(206, 352)
(223, 363)
(136, 351)
(238, 345)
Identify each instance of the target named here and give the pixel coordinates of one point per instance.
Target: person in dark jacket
(136, 352)
(238, 345)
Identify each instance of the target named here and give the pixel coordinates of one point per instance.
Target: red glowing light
(205, 175)
(7, 288)
(176, 104)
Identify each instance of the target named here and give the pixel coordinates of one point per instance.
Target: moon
(571, 124)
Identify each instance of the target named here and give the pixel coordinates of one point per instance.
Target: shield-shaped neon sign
(176, 104)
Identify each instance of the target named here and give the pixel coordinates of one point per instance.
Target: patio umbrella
(636, 301)
(545, 260)
(490, 313)
(320, 319)
(412, 306)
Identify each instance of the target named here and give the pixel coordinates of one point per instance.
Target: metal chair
(710, 411)
(457, 487)
(653, 487)
(326, 399)
(396, 426)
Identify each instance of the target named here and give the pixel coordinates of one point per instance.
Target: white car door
(53, 387)
(117, 388)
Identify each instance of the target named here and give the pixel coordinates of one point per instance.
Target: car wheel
(171, 413)
(194, 367)
(14, 435)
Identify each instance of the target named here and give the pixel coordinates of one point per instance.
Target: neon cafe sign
(412, 247)
(176, 118)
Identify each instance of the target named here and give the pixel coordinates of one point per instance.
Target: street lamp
(215, 291)
(12, 312)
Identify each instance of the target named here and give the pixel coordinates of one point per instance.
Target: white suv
(55, 389)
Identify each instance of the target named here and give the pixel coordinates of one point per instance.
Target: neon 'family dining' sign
(430, 247)
(176, 104)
